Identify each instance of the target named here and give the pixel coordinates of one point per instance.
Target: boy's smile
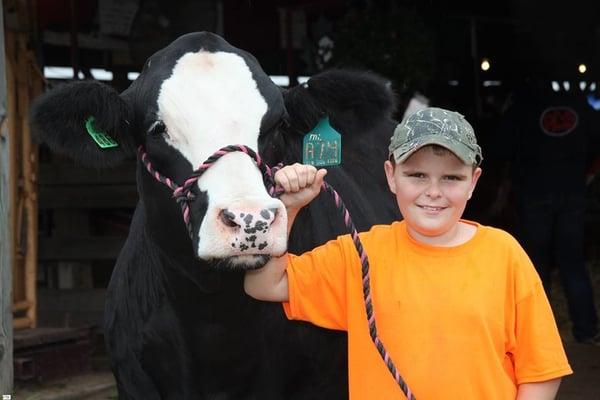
(432, 188)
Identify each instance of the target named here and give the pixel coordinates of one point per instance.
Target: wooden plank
(29, 167)
(46, 335)
(22, 323)
(78, 248)
(6, 240)
(71, 307)
(85, 41)
(56, 173)
(20, 306)
(88, 196)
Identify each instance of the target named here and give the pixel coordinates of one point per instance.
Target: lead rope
(183, 196)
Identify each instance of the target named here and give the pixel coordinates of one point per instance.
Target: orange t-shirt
(464, 322)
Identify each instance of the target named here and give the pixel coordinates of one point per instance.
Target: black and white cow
(178, 324)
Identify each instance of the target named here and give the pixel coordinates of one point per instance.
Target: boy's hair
(435, 126)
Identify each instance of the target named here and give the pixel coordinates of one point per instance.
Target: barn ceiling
(442, 40)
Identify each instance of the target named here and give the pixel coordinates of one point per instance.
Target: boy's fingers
(282, 180)
(302, 177)
(295, 177)
(310, 176)
(319, 177)
(318, 181)
(292, 178)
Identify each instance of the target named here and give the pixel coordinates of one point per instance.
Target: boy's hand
(302, 183)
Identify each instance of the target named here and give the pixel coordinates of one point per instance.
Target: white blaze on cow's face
(210, 101)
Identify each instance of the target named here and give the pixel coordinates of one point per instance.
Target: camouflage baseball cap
(433, 125)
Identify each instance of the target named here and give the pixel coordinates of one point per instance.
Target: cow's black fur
(178, 327)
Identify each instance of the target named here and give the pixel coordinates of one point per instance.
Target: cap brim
(461, 151)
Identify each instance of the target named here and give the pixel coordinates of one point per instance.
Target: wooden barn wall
(6, 358)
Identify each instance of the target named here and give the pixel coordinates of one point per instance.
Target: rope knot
(184, 196)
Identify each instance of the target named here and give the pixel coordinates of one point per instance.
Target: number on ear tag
(322, 146)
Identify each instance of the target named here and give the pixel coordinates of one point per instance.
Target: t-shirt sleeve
(317, 286)
(538, 352)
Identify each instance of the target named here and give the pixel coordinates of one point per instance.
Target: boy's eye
(418, 175)
(453, 178)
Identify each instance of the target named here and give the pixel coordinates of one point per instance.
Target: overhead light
(582, 85)
(566, 86)
(582, 68)
(555, 86)
(453, 83)
(485, 64)
(592, 86)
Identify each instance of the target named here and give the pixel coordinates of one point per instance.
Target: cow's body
(178, 323)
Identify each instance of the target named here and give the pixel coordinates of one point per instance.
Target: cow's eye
(158, 128)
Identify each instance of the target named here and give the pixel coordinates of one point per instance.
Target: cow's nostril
(228, 218)
(275, 212)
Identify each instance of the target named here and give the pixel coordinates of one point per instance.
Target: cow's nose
(252, 230)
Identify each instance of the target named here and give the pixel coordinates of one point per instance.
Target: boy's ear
(476, 175)
(84, 120)
(389, 174)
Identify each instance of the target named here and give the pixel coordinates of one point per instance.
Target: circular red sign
(558, 121)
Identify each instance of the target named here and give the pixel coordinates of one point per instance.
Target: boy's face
(432, 190)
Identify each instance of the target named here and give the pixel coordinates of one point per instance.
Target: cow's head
(192, 98)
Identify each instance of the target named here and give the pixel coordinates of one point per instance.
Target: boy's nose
(433, 190)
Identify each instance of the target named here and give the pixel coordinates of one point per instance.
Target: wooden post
(23, 82)
(6, 337)
(26, 88)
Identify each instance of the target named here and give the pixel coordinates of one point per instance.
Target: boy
(458, 305)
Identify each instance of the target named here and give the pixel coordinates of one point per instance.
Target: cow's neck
(176, 256)
(166, 232)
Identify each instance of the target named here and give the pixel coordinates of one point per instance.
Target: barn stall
(64, 225)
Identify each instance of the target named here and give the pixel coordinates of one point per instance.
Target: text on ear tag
(322, 146)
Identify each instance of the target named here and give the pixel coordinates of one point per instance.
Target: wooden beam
(6, 329)
(86, 41)
(80, 248)
(67, 173)
(48, 336)
(22, 323)
(21, 306)
(88, 196)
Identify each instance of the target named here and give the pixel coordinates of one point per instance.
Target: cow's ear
(87, 121)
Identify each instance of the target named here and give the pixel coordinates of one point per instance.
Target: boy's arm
(302, 183)
(545, 390)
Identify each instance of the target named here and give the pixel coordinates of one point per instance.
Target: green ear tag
(322, 146)
(102, 139)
